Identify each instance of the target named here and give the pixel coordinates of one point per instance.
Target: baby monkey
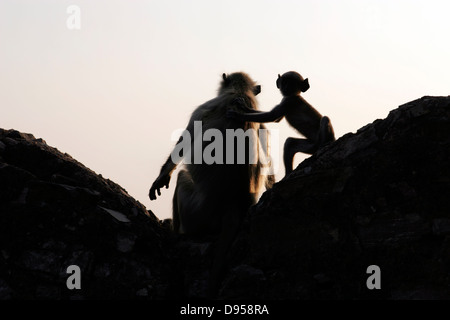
(317, 130)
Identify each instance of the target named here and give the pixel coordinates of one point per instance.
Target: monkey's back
(302, 116)
(231, 182)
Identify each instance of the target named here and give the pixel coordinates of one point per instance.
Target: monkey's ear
(256, 90)
(224, 76)
(305, 85)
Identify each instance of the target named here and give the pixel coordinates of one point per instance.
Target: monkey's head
(238, 82)
(292, 83)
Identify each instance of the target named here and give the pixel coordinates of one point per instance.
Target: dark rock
(54, 212)
(380, 196)
(244, 277)
(441, 226)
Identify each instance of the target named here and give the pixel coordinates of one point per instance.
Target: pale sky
(112, 93)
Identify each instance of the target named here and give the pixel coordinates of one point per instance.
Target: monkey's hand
(161, 181)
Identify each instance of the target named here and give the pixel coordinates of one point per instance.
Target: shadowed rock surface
(55, 212)
(380, 196)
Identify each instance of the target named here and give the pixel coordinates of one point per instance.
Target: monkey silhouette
(211, 199)
(302, 116)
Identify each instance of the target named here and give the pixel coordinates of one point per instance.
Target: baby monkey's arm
(275, 115)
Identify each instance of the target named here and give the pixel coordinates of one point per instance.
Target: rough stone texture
(380, 196)
(54, 212)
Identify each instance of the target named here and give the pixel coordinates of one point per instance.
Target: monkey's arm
(275, 115)
(243, 107)
(163, 178)
(250, 110)
(167, 169)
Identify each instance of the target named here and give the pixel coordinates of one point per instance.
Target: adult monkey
(211, 199)
(300, 115)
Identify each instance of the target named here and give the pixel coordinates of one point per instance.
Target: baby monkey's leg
(291, 147)
(294, 145)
